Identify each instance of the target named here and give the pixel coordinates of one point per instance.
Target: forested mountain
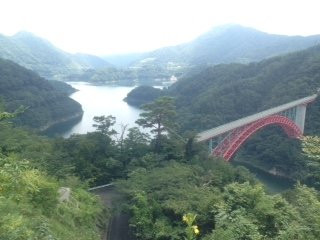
(222, 93)
(218, 94)
(123, 60)
(149, 75)
(47, 103)
(41, 56)
(229, 43)
(90, 61)
(225, 44)
(170, 189)
(211, 96)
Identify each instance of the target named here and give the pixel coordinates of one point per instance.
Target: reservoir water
(108, 100)
(273, 184)
(97, 101)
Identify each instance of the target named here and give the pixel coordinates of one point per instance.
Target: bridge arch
(229, 146)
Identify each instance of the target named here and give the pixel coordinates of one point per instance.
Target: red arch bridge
(225, 140)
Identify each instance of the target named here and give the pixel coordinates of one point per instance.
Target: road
(118, 227)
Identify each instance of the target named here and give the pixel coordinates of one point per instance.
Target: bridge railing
(206, 135)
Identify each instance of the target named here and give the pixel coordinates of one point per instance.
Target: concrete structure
(226, 139)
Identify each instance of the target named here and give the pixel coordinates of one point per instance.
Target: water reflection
(97, 101)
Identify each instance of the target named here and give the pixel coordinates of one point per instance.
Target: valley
(71, 122)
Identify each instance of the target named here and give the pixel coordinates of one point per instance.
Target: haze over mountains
(163, 182)
(41, 56)
(224, 44)
(47, 102)
(212, 95)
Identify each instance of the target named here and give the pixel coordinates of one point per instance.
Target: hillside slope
(41, 56)
(46, 104)
(229, 43)
(226, 92)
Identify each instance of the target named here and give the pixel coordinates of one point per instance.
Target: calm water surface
(108, 100)
(97, 101)
(273, 184)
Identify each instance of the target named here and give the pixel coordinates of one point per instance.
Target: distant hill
(226, 44)
(41, 56)
(209, 96)
(48, 102)
(123, 60)
(90, 61)
(226, 92)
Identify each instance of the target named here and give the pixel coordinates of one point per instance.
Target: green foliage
(62, 87)
(168, 192)
(210, 96)
(222, 93)
(272, 150)
(6, 115)
(135, 145)
(30, 209)
(93, 157)
(29, 205)
(144, 75)
(45, 105)
(142, 95)
(42, 57)
(142, 220)
(226, 209)
(104, 123)
(159, 116)
(311, 147)
(226, 44)
(96, 157)
(191, 230)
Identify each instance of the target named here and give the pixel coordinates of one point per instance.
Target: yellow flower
(184, 218)
(196, 229)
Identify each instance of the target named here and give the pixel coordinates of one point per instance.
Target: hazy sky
(118, 26)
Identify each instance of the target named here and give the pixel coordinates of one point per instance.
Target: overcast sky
(118, 26)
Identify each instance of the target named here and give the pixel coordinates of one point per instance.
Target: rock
(64, 194)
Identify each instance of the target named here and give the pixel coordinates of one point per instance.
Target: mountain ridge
(47, 103)
(38, 54)
(233, 43)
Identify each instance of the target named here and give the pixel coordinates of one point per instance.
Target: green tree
(311, 147)
(7, 115)
(135, 145)
(191, 230)
(159, 116)
(104, 123)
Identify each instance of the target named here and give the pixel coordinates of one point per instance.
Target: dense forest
(210, 96)
(224, 44)
(41, 56)
(45, 102)
(229, 43)
(171, 188)
(165, 182)
(148, 75)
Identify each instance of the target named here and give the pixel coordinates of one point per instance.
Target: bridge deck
(205, 135)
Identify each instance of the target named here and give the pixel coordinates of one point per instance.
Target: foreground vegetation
(171, 188)
(46, 102)
(210, 96)
(31, 205)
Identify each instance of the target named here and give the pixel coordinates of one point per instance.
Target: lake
(273, 184)
(97, 101)
(108, 100)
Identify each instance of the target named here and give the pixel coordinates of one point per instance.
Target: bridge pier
(301, 116)
(225, 140)
(210, 145)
